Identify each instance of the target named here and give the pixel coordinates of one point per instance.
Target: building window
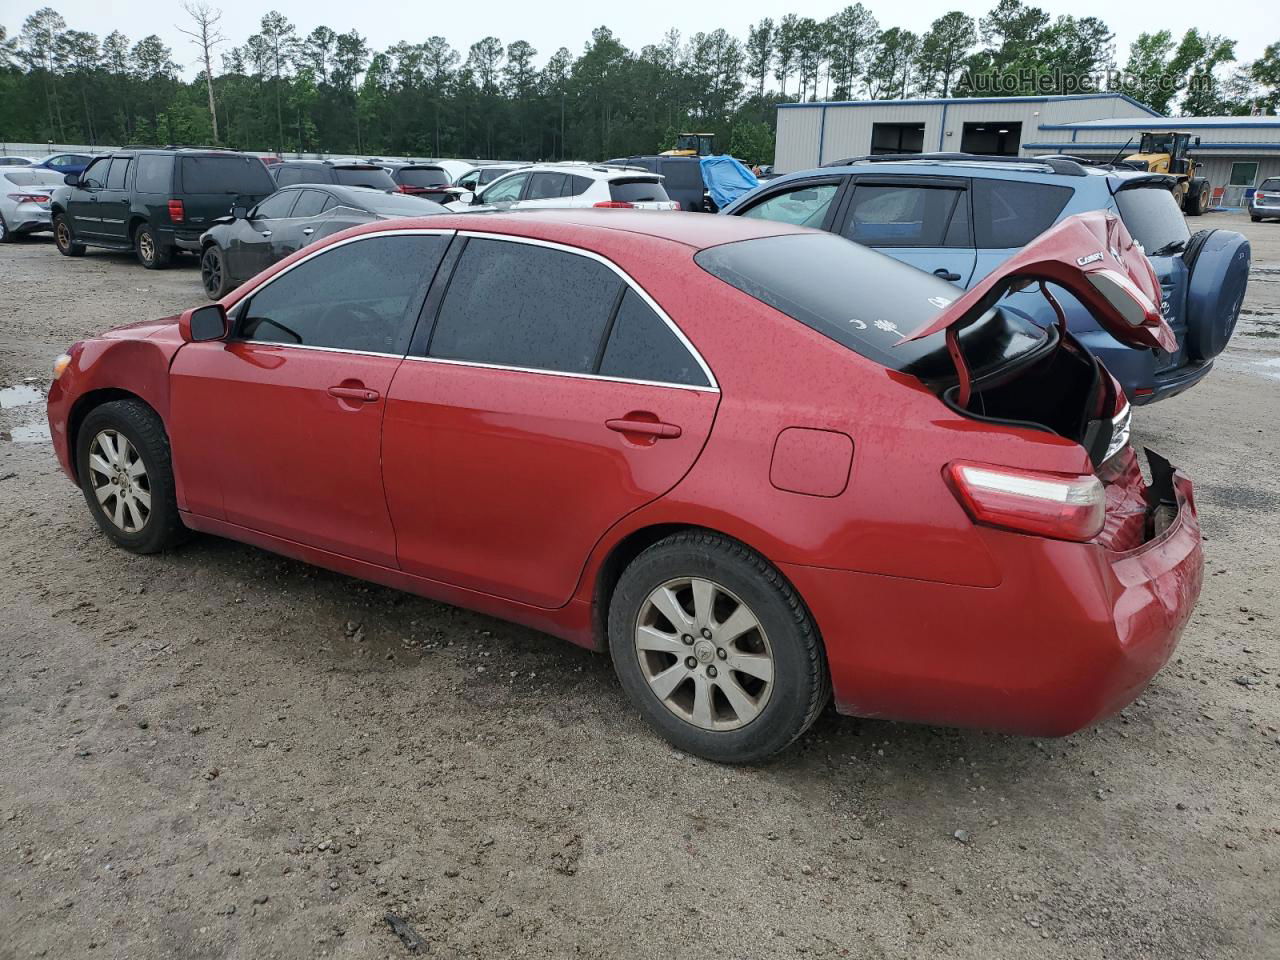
(992, 139)
(1244, 173)
(897, 138)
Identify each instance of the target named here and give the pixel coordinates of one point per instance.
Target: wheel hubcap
(146, 246)
(120, 482)
(62, 234)
(212, 272)
(704, 654)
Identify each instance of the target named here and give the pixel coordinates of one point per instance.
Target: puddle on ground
(20, 395)
(29, 433)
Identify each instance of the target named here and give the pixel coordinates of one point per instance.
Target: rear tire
(1196, 201)
(1255, 219)
(64, 237)
(5, 235)
(213, 273)
(748, 694)
(126, 476)
(151, 254)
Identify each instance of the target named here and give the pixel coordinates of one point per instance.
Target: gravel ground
(222, 753)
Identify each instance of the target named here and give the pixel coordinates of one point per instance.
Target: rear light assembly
(1030, 501)
(177, 213)
(615, 204)
(29, 197)
(1259, 195)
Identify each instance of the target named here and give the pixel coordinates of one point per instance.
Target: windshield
(226, 174)
(399, 204)
(423, 177)
(370, 176)
(866, 301)
(1152, 217)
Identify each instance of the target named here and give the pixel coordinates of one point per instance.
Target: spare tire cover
(1218, 264)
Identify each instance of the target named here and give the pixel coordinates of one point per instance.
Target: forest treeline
(285, 88)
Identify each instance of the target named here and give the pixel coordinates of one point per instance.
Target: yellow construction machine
(1169, 152)
(693, 145)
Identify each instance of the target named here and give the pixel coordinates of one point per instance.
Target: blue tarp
(726, 179)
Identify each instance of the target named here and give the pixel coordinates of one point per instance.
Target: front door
(519, 434)
(253, 245)
(921, 221)
(284, 420)
(83, 203)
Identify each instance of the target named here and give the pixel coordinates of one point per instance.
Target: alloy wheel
(120, 481)
(211, 271)
(63, 234)
(704, 654)
(146, 247)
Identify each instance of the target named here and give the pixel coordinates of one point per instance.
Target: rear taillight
(1029, 501)
(29, 198)
(614, 204)
(1259, 195)
(177, 213)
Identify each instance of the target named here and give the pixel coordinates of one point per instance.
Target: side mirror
(240, 212)
(72, 179)
(468, 196)
(203, 324)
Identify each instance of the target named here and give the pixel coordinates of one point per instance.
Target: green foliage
(320, 90)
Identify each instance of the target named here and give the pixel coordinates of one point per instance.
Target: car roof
(592, 229)
(597, 171)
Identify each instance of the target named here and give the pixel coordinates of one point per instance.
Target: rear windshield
(1272, 184)
(33, 178)
(399, 204)
(639, 190)
(1152, 217)
(229, 174)
(423, 177)
(374, 177)
(865, 301)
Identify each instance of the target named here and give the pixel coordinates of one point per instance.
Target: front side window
(470, 181)
(1012, 213)
(95, 175)
(520, 305)
(804, 206)
(642, 347)
(116, 175)
(506, 190)
(893, 215)
(361, 296)
(276, 206)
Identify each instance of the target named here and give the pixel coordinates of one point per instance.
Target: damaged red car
(760, 466)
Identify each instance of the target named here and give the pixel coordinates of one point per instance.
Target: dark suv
(348, 173)
(153, 201)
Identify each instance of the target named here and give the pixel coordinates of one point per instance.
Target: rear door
(286, 415)
(543, 400)
(543, 189)
(113, 200)
(923, 221)
(1009, 214)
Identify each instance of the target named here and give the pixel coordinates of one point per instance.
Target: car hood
(143, 329)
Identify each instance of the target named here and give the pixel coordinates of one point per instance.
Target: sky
(549, 25)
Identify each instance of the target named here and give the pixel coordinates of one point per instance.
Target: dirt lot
(221, 753)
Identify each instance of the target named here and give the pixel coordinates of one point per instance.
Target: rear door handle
(266, 233)
(363, 394)
(308, 231)
(648, 428)
(944, 274)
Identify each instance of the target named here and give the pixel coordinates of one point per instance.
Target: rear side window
(519, 305)
(1152, 217)
(374, 177)
(287, 175)
(155, 173)
(399, 204)
(309, 204)
(359, 296)
(545, 186)
(1011, 213)
(893, 215)
(575, 186)
(637, 191)
(642, 347)
(224, 174)
(119, 171)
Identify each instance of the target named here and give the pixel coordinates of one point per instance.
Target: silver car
(1265, 201)
(24, 200)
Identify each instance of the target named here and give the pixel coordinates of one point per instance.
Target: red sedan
(710, 445)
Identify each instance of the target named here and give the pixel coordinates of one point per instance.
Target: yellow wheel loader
(1169, 152)
(693, 145)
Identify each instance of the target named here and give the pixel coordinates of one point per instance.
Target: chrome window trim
(563, 373)
(712, 382)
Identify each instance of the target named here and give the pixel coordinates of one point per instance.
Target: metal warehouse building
(1238, 152)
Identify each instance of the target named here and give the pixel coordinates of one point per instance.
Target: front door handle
(266, 233)
(308, 231)
(944, 274)
(363, 394)
(647, 428)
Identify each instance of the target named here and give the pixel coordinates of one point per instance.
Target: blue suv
(958, 216)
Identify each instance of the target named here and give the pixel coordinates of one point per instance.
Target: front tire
(5, 235)
(213, 273)
(123, 462)
(716, 649)
(150, 252)
(65, 238)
